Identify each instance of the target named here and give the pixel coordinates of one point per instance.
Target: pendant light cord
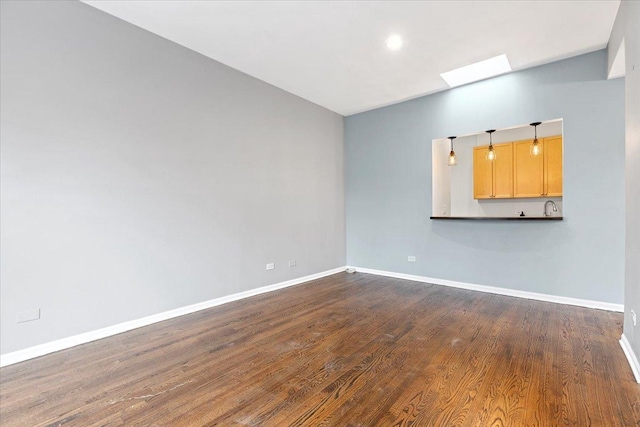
(535, 129)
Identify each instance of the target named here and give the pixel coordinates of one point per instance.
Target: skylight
(478, 71)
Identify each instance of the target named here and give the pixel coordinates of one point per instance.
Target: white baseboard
(64, 343)
(500, 291)
(631, 357)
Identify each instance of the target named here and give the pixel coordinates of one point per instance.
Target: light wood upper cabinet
(516, 173)
(493, 179)
(482, 174)
(503, 171)
(552, 151)
(528, 171)
(538, 176)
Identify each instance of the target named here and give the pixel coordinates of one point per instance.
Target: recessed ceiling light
(478, 71)
(394, 42)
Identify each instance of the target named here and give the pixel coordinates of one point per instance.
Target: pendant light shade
(453, 160)
(536, 147)
(491, 151)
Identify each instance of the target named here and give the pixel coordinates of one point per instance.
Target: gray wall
(627, 27)
(139, 176)
(388, 178)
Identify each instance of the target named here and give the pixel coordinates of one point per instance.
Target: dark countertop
(500, 218)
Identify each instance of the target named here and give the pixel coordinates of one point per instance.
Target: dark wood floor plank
(344, 350)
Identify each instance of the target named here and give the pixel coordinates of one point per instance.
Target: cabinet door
(482, 174)
(552, 150)
(503, 171)
(528, 171)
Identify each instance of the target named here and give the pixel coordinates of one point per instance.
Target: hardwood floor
(346, 350)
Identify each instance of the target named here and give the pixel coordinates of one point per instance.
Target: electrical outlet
(633, 317)
(292, 263)
(28, 315)
(271, 266)
(411, 258)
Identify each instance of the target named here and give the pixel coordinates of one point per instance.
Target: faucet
(553, 205)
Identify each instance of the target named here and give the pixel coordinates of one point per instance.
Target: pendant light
(536, 147)
(491, 152)
(453, 160)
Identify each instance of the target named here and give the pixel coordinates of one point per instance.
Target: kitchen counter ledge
(500, 218)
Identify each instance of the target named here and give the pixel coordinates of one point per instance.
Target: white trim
(631, 357)
(64, 343)
(609, 306)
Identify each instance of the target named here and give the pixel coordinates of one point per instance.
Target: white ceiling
(333, 53)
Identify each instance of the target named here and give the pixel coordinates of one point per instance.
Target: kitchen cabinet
(552, 151)
(528, 172)
(493, 179)
(538, 176)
